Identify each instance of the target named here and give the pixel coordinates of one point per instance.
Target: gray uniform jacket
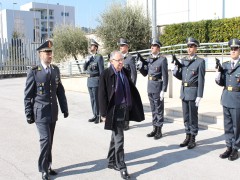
(157, 71)
(192, 75)
(129, 64)
(94, 67)
(41, 95)
(230, 79)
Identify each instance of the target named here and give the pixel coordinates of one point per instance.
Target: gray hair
(112, 55)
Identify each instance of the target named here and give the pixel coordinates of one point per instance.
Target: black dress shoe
(226, 154)
(113, 166)
(52, 172)
(234, 155)
(125, 175)
(126, 128)
(45, 176)
(92, 119)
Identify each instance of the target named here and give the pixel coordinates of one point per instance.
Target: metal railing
(16, 55)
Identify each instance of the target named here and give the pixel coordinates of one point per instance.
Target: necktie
(232, 65)
(48, 73)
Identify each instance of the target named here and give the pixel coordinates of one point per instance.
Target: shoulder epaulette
(34, 67)
(54, 66)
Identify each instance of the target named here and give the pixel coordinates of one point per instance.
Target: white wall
(177, 11)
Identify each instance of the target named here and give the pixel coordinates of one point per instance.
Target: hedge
(205, 31)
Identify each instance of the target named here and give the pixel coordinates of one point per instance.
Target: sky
(86, 11)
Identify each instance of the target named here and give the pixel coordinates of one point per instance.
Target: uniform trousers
(157, 108)
(93, 92)
(232, 127)
(190, 116)
(46, 133)
(116, 149)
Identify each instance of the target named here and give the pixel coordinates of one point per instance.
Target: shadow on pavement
(159, 161)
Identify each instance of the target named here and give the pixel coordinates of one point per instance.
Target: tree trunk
(79, 68)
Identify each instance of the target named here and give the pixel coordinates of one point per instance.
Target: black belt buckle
(122, 106)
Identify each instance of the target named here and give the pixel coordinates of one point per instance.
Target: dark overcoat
(106, 95)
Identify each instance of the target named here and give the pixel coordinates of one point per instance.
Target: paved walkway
(80, 148)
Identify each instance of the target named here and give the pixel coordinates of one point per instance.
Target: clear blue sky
(86, 11)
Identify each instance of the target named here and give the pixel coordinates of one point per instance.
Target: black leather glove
(65, 114)
(30, 120)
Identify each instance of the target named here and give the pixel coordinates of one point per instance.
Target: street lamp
(1, 23)
(14, 3)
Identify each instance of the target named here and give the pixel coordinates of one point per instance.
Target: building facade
(178, 11)
(35, 21)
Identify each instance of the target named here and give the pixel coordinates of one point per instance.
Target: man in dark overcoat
(119, 102)
(43, 92)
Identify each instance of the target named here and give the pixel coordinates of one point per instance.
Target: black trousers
(93, 92)
(46, 133)
(157, 108)
(232, 127)
(116, 149)
(190, 117)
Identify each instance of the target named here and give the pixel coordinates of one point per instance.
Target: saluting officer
(43, 89)
(156, 67)
(192, 75)
(229, 78)
(129, 64)
(94, 65)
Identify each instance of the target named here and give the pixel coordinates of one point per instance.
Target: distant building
(35, 21)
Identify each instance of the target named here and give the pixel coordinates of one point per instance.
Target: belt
(230, 88)
(152, 78)
(93, 75)
(186, 84)
(121, 106)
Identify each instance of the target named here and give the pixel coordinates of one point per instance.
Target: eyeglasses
(119, 60)
(234, 49)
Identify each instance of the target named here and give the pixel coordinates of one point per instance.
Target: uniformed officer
(129, 64)
(156, 67)
(94, 65)
(229, 77)
(43, 91)
(192, 75)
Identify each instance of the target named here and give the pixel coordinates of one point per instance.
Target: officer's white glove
(197, 101)
(217, 76)
(161, 95)
(88, 59)
(139, 65)
(174, 68)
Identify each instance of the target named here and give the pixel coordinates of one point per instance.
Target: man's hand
(217, 76)
(161, 95)
(197, 101)
(30, 120)
(103, 118)
(65, 114)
